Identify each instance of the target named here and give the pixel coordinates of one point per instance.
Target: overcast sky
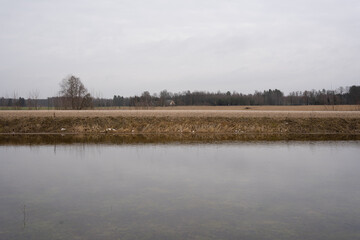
(125, 47)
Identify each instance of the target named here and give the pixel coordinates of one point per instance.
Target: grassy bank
(183, 122)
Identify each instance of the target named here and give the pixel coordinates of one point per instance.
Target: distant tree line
(73, 95)
(20, 103)
(340, 96)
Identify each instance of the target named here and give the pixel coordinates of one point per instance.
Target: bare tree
(33, 99)
(15, 101)
(74, 93)
(146, 99)
(164, 95)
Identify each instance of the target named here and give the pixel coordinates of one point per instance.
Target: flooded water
(258, 190)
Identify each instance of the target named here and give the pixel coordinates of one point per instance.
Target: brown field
(343, 111)
(261, 108)
(224, 120)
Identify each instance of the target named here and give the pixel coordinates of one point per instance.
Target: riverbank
(180, 121)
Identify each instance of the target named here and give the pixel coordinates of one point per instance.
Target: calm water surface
(307, 190)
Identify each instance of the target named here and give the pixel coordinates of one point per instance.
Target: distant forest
(340, 96)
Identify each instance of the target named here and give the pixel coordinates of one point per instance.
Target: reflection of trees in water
(81, 141)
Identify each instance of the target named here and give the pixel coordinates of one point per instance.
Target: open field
(246, 108)
(174, 120)
(193, 111)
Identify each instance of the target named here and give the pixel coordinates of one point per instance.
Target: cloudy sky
(125, 47)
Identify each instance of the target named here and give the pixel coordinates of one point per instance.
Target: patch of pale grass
(341, 111)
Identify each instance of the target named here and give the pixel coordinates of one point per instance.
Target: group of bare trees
(74, 95)
(16, 102)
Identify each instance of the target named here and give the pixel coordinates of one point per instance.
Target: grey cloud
(125, 47)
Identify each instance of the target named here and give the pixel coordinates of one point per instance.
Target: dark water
(308, 190)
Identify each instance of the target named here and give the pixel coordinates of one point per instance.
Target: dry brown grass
(141, 125)
(189, 112)
(176, 120)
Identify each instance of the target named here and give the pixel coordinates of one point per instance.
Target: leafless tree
(146, 99)
(33, 99)
(15, 100)
(164, 95)
(74, 93)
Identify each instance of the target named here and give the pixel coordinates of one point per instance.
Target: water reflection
(273, 190)
(132, 139)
